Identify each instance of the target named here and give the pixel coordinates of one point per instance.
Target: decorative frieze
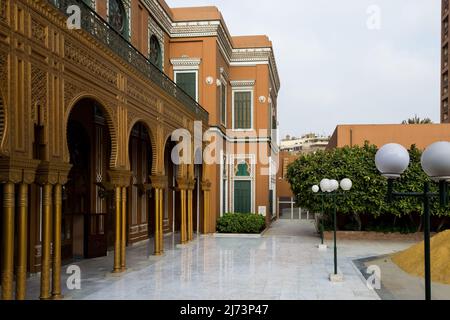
(242, 83)
(185, 63)
(173, 115)
(140, 95)
(88, 62)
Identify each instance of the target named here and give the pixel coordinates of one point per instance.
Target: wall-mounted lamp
(209, 80)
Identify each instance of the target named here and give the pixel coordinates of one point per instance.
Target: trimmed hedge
(241, 223)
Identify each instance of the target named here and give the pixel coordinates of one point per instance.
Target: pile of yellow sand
(412, 259)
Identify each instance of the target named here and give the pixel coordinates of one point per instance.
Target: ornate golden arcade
(46, 72)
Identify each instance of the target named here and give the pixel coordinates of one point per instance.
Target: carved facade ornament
(38, 32)
(120, 178)
(159, 182)
(38, 94)
(49, 172)
(3, 11)
(17, 170)
(3, 73)
(174, 116)
(143, 96)
(89, 63)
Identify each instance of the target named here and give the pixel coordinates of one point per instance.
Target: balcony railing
(97, 27)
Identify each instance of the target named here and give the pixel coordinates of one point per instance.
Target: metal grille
(97, 27)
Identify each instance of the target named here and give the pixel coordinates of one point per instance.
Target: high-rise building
(445, 62)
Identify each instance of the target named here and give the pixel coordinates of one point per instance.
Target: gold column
(46, 239)
(8, 241)
(190, 220)
(161, 221)
(117, 267)
(57, 220)
(183, 216)
(157, 219)
(123, 256)
(22, 222)
(206, 211)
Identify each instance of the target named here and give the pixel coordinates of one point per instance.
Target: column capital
(206, 185)
(17, 170)
(49, 172)
(159, 182)
(191, 184)
(183, 183)
(120, 178)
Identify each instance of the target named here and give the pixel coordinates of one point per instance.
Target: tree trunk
(441, 224)
(358, 221)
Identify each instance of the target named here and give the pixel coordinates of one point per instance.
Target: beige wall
(422, 135)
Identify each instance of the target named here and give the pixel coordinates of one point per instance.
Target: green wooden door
(242, 196)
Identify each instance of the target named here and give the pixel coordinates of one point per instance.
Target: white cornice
(242, 83)
(214, 28)
(185, 62)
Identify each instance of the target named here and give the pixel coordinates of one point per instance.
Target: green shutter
(186, 81)
(242, 196)
(242, 110)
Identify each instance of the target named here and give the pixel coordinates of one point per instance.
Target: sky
(347, 61)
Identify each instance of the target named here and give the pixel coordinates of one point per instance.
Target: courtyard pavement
(284, 263)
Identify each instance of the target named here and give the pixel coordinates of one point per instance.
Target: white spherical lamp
(392, 160)
(346, 184)
(315, 188)
(436, 161)
(325, 185)
(334, 185)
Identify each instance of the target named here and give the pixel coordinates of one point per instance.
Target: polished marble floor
(283, 264)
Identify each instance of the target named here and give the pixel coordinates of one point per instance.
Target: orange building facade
(422, 135)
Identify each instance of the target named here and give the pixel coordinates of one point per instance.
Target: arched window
(155, 52)
(243, 170)
(117, 16)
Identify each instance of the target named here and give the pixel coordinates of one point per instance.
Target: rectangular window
(223, 104)
(242, 112)
(187, 80)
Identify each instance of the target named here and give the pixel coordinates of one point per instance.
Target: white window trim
(177, 71)
(224, 84)
(224, 199)
(252, 178)
(244, 89)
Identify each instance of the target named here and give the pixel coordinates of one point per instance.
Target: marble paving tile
(275, 266)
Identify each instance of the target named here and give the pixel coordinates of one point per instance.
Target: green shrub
(241, 223)
(364, 206)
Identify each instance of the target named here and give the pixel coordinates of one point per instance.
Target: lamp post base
(322, 247)
(335, 278)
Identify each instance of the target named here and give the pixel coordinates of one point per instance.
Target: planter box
(240, 235)
(369, 235)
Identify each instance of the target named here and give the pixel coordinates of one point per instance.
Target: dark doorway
(87, 228)
(141, 202)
